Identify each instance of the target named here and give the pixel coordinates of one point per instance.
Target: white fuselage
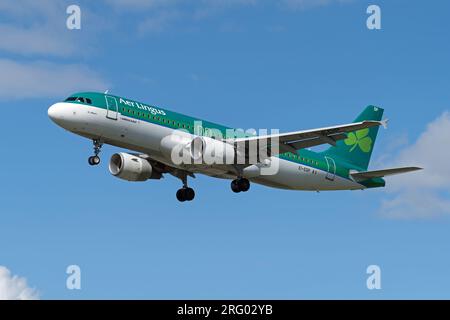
(145, 137)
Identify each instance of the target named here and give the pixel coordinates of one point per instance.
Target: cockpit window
(79, 99)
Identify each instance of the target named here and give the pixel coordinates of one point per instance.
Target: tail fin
(357, 148)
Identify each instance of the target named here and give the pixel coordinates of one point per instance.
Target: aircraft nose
(55, 112)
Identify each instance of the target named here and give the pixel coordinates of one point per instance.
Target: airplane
(279, 160)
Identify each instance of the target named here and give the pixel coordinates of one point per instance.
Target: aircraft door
(112, 108)
(331, 174)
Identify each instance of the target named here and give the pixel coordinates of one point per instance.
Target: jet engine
(131, 168)
(212, 151)
(197, 150)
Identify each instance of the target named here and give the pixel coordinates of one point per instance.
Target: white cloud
(34, 41)
(425, 193)
(13, 287)
(151, 4)
(39, 28)
(44, 79)
(305, 4)
(391, 146)
(140, 4)
(415, 203)
(158, 22)
(29, 9)
(164, 14)
(35, 28)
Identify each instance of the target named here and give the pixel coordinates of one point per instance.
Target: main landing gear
(240, 185)
(95, 159)
(185, 193)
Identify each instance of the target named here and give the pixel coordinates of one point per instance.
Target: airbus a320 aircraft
(153, 133)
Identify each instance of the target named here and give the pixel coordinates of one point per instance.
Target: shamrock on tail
(359, 138)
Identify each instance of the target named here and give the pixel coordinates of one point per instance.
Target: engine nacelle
(212, 151)
(131, 168)
(198, 150)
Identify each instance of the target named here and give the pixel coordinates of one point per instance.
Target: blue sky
(291, 65)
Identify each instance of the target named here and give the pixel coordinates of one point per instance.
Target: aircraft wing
(293, 141)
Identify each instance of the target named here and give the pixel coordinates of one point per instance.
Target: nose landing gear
(95, 159)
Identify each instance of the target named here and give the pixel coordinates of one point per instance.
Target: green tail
(357, 148)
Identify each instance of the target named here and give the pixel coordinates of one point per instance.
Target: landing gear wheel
(243, 184)
(240, 185)
(185, 194)
(181, 195)
(235, 186)
(189, 194)
(94, 160)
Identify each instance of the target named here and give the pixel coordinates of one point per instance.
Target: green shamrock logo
(359, 138)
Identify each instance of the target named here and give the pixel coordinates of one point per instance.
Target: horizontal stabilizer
(359, 176)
